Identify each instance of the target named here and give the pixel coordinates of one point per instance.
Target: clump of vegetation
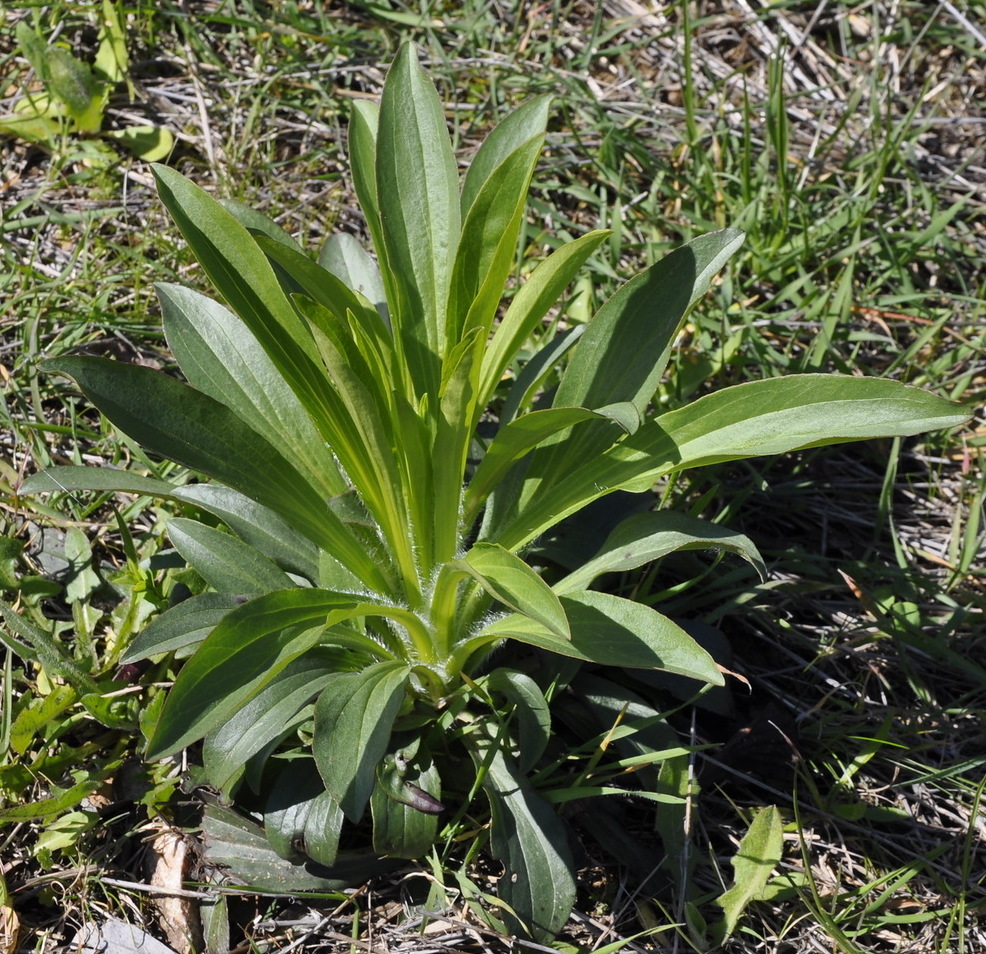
(374, 668)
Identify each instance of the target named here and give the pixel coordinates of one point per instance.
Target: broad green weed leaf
(524, 124)
(614, 631)
(354, 716)
(531, 713)
(225, 562)
(645, 537)
(773, 416)
(756, 857)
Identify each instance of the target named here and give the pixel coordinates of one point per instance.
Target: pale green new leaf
(645, 537)
(528, 307)
(507, 578)
(354, 717)
(344, 257)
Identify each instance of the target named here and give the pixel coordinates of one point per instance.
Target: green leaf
(266, 717)
(36, 644)
(532, 713)
(74, 83)
(511, 443)
(645, 537)
(524, 124)
(248, 648)
(189, 427)
(344, 257)
(257, 223)
(150, 143)
(225, 562)
(183, 625)
(507, 578)
(112, 61)
(529, 306)
(354, 716)
(773, 416)
(418, 194)
(65, 477)
(625, 348)
(614, 631)
(530, 841)
(256, 525)
(301, 819)
(756, 857)
(221, 358)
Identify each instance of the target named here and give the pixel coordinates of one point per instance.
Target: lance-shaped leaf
(225, 562)
(354, 717)
(613, 631)
(773, 416)
(343, 256)
(220, 357)
(645, 537)
(531, 713)
(250, 646)
(178, 422)
(301, 819)
(626, 346)
(266, 716)
(530, 841)
(184, 625)
(418, 196)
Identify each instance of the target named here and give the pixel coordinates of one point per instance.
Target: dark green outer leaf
(185, 624)
(773, 416)
(189, 427)
(62, 477)
(531, 842)
(266, 716)
(243, 653)
(354, 717)
(225, 562)
(256, 525)
(532, 713)
(220, 357)
(301, 819)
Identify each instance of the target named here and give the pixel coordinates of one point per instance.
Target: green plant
(365, 630)
(75, 95)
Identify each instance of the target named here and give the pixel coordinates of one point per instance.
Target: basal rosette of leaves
(363, 538)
